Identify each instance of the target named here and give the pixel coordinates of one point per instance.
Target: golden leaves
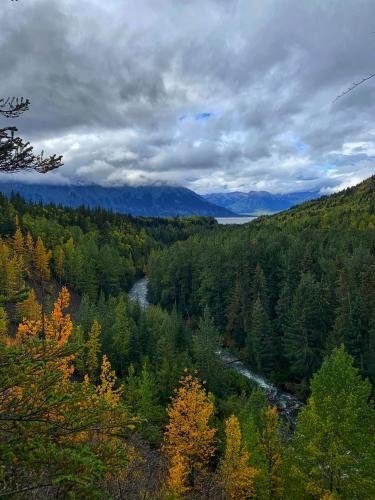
(188, 439)
(106, 388)
(235, 473)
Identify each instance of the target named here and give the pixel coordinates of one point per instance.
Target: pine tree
(262, 343)
(259, 288)
(235, 316)
(93, 348)
(29, 308)
(344, 330)
(205, 343)
(3, 324)
(235, 472)
(270, 445)
(59, 263)
(282, 308)
(18, 242)
(40, 263)
(177, 477)
(188, 433)
(106, 389)
(54, 330)
(147, 406)
(333, 454)
(307, 328)
(120, 335)
(63, 433)
(39, 270)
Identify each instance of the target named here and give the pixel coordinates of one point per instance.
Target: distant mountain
(157, 201)
(259, 202)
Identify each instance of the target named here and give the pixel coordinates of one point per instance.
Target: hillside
(259, 202)
(148, 201)
(284, 289)
(354, 206)
(101, 392)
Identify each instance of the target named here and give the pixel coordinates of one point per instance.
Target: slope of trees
(283, 290)
(100, 398)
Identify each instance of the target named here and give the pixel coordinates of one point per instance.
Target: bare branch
(353, 86)
(13, 106)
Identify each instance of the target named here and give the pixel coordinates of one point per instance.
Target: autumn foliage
(189, 438)
(235, 472)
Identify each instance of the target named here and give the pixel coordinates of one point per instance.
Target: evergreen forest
(103, 398)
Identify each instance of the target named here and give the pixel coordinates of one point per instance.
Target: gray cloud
(212, 94)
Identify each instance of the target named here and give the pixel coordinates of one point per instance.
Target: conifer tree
(235, 316)
(259, 288)
(29, 308)
(235, 472)
(121, 332)
(93, 348)
(59, 263)
(40, 263)
(39, 270)
(189, 434)
(261, 342)
(205, 344)
(18, 242)
(307, 328)
(271, 448)
(106, 389)
(148, 407)
(3, 324)
(333, 454)
(282, 308)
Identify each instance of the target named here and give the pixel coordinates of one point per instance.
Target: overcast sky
(215, 95)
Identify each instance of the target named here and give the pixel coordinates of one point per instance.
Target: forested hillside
(284, 290)
(148, 201)
(100, 398)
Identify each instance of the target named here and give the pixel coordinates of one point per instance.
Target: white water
(286, 403)
(138, 292)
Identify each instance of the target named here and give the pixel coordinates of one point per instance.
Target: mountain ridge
(157, 201)
(259, 202)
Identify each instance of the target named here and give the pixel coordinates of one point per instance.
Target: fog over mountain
(153, 201)
(214, 95)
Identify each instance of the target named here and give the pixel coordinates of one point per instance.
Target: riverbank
(287, 404)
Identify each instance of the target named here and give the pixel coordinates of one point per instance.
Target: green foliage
(287, 288)
(333, 450)
(3, 322)
(54, 431)
(205, 344)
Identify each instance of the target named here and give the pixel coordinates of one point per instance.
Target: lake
(234, 220)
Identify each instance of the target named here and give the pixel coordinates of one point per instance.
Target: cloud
(213, 94)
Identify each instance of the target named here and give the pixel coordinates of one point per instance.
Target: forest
(102, 398)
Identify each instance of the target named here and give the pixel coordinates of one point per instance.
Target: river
(285, 402)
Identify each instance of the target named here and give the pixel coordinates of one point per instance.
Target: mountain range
(159, 201)
(148, 201)
(259, 202)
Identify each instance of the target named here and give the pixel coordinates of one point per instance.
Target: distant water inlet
(285, 402)
(235, 220)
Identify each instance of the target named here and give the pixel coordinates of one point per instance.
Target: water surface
(286, 403)
(234, 220)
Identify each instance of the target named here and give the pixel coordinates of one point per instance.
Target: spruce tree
(205, 343)
(307, 328)
(334, 453)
